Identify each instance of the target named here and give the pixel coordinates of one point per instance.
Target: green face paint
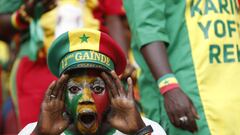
(71, 104)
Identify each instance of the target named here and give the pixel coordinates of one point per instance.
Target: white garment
(157, 129)
(69, 17)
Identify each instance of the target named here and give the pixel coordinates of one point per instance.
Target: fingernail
(113, 71)
(129, 79)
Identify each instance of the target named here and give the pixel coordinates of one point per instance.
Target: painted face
(86, 100)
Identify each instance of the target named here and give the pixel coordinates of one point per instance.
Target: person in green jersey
(189, 49)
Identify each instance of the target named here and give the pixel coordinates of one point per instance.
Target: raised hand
(130, 71)
(181, 110)
(52, 121)
(123, 115)
(31, 4)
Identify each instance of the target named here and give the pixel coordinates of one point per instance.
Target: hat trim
(85, 59)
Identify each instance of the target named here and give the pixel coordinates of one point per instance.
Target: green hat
(85, 48)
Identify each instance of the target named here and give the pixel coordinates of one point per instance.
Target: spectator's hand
(47, 5)
(51, 120)
(123, 114)
(180, 110)
(130, 71)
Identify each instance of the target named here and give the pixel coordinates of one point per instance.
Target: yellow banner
(213, 28)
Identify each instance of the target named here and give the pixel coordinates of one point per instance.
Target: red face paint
(101, 102)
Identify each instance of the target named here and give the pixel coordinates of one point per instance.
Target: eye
(74, 89)
(97, 89)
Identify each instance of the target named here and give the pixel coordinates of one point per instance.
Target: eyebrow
(72, 83)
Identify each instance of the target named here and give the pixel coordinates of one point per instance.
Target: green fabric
(36, 33)
(31, 46)
(9, 6)
(110, 132)
(67, 132)
(58, 49)
(163, 20)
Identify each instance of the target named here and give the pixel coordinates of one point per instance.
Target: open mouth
(87, 118)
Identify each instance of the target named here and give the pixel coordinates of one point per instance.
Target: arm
(18, 21)
(51, 120)
(177, 103)
(7, 30)
(150, 35)
(123, 114)
(117, 31)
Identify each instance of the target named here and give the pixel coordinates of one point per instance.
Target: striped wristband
(167, 82)
(16, 22)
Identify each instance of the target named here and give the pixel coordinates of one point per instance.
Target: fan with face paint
(86, 100)
(87, 63)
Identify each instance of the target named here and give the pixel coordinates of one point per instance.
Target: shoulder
(157, 129)
(27, 130)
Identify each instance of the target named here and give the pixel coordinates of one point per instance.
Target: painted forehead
(85, 79)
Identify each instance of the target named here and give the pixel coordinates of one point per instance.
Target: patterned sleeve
(147, 20)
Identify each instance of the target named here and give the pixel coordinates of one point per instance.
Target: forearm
(155, 54)
(116, 31)
(6, 28)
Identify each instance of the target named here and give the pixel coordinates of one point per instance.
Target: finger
(124, 75)
(195, 114)
(191, 123)
(63, 83)
(120, 91)
(120, 76)
(62, 95)
(49, 90)
(134, 76)
(127, 73)
(110, 85)
(177, 121)
(169, 112)
(177, 114)
(59, 85)
(130, 88)
(172, 117)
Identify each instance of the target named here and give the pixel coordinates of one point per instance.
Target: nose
(86, 97)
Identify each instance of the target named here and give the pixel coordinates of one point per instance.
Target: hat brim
(86, 65)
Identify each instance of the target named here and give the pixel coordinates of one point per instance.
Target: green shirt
(202, 38)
